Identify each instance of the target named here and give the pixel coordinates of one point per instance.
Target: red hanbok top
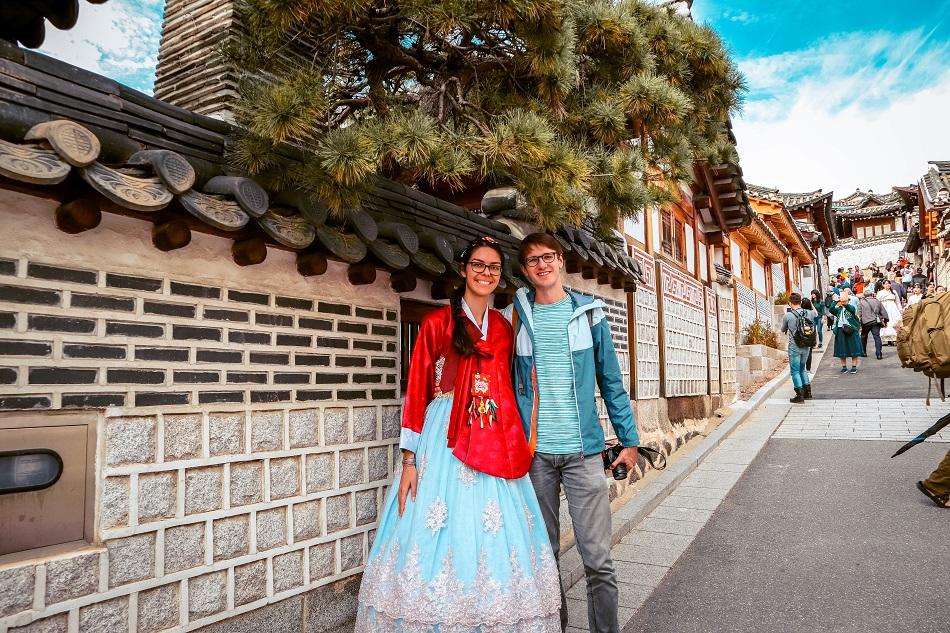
(500, 448)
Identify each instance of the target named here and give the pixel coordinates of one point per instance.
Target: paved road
(817, 534)
(875, 379)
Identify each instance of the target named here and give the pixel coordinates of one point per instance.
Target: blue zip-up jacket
(593, 360)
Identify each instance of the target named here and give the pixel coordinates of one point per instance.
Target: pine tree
(591, 108)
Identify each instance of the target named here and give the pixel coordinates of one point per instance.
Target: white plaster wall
(123, 244)
(865, 255)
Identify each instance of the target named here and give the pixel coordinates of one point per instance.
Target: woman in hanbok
(892, 305)
(461, 545)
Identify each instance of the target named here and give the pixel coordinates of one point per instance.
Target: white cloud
(118, 39)
(742, 17)
(859, 110)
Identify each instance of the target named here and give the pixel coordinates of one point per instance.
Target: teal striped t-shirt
(558, 425)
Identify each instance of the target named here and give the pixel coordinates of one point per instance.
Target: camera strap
(653, 456)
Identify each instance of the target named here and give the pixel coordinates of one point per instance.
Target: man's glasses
(479, 267)
(547, 258)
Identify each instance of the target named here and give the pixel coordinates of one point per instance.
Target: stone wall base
(327, 609)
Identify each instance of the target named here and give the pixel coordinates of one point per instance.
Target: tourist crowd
(858, 304)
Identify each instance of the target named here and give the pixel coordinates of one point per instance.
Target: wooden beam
(403, 281)
(249, 252)
(78, 215)
(174, 234)
(311, 264)
(361, 273)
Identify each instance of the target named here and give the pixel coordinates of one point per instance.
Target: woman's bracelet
(408, 461)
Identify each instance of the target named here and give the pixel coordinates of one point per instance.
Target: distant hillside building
(872, 227)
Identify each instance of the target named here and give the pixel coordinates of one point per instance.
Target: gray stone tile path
(863, 420)
(645, 555)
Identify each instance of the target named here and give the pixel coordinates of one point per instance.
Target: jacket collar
(524, 299)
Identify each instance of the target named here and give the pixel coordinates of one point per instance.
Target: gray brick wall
(247, 440)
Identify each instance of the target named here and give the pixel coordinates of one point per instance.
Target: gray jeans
(585, 487)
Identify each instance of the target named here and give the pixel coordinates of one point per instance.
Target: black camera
(610, 455)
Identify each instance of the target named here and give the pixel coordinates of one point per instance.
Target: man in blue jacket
(563, 349)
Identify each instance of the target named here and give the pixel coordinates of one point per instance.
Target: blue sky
(842, 93)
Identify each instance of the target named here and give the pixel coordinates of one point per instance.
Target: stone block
(285, 616)
(267, 431)
(131, 558)
(332, 606)
(157, 496)
(226, 434)
(322, 560)
(115, 502)
(207, 595)
(16, 590)
(288, 571)
(247, 483)
(231, 537)
(56, 624)
(338, 512)
(365, 506)
(271, 529)
(392, 422)
(351, 552)
(320, 471)
(158, 608)
(351, 467)
(378, 463)
(184, 547)
(182, 436)
(336, 426)
(306, 520)
(284, 477)
(130, 441)
(364, 424)
(111, 616)
(203, 489)
(73, 577)
(250, 582)
(304, 428)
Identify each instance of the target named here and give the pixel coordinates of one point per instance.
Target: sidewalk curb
(644, 502)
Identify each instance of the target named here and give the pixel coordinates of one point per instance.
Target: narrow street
(800, 522)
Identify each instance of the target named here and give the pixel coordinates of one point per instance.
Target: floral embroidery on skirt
(465, 557)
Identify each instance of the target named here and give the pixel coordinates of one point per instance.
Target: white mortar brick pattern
(247, 440)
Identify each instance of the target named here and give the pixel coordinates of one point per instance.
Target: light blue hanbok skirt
(469, 555)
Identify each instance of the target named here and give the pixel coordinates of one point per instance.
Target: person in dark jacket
(847, 336)
(873, 317)
(920, 277)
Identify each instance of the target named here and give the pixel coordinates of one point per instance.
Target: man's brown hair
(538, 239)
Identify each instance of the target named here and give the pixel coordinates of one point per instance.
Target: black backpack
(805, 335)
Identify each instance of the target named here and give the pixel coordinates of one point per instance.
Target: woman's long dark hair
(461, 340)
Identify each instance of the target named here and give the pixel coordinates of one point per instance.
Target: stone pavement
(644, 556)
(648, 557)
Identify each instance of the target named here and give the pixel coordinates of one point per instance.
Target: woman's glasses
(547, 258)
(479, 267)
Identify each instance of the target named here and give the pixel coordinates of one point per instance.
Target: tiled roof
(127, 152)
(25, 22)
(936, 179)
(799, 199)
(895, 236)
(878, 211)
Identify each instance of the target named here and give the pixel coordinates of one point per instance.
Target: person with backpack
(819, 307)
(846, 329)
(799, 324)
(873, 317)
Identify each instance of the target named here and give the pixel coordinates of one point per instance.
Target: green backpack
(924, 341)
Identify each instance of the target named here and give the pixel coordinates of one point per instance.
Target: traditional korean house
(872, 228)
(788, 275)
(200, 379)
(927, 239)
